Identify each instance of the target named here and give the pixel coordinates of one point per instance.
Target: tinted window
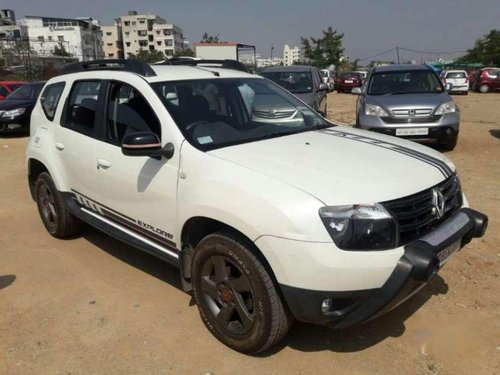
(456, 75)
(128, 112)
(50, 98)
(404, 82)
(15, 86)
(349, 75)
(221, 112)
(3, 91)
(295, 82)
(82, 106)
(27, 92)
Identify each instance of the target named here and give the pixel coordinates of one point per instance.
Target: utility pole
(397, 52)
(272, 47)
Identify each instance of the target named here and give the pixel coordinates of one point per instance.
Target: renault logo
(412, 113)
(437, 203)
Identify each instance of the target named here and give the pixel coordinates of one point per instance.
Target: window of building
(158, 43)
(127, 33)
(109, 33)
(142, 21)
(50, 98)
(169, 52)
(168, 42)
(127, 23)
(110, 44)
(128, 112)
(127, 44)
(82, 106)
(41, 39)
(50, 38)
(60, 38)
(111, 55)
(134, 23)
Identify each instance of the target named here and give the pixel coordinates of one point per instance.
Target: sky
(369, 26)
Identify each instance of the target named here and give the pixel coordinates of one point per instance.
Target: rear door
(75, 139)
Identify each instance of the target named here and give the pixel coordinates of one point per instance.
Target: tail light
(466, 79)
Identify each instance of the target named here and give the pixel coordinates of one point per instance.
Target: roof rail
(129, 65)
(226, 64)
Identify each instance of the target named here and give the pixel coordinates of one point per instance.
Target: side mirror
(357, 91)
(323, 87)
(146, 144)
(448, 86)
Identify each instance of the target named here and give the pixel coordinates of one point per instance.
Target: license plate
(447, 252)
(348, 81)
(412, 131)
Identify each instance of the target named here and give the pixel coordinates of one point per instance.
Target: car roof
(401, 67)
(291, 68)
(12, 82)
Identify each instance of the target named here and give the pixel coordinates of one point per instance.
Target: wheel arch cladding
(35, 167)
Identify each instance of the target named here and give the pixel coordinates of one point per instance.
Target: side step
(120, 232)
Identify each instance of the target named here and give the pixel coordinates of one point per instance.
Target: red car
(6, 87)
(347, 81)
(487, 79)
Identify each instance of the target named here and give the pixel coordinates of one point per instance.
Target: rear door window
(81, 109)
(50, 99)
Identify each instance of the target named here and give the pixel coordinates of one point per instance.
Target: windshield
(15, 86)
(456, 75)
(404, 82)
(295, 82)
(324, 73)
(26, 92)
(349, 75)
(213, 113)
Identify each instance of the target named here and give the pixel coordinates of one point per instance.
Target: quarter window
(50, 98)
(82, 106)
(128, 112)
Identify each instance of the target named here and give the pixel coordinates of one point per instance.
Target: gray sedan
(408, 101)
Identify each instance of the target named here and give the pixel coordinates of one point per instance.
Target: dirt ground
(94, 305)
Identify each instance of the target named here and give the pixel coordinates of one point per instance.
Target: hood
(306, 97)
(8, 104)
(409, 101)
(343, 166)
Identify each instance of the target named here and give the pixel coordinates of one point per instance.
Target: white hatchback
(458, 80)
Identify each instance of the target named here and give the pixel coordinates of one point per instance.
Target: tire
(57, 220)
(237, 299)
(484, 89)
(449, 143)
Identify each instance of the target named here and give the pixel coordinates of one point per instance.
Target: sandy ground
(94, 305)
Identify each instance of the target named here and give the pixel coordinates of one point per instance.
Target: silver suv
(408, 101)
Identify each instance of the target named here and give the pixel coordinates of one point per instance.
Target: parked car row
(486, 80)
(6, 87)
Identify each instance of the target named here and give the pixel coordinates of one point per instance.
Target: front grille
(410, 120)
(416, 214)
(279, 114)
(417, 112)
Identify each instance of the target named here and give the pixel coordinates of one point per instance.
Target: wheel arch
(198, 227)
(35, 167)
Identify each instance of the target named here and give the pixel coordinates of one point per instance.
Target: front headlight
(448, 107)
(375, 110)
(360, 226)
(14, 112)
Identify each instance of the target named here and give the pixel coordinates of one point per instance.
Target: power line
(397, 49)
(377, 55)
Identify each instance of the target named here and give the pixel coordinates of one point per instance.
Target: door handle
(60, 146)
(103, 163)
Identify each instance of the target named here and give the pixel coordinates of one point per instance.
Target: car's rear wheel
(57, 220)
(484, 88)
(236, 297)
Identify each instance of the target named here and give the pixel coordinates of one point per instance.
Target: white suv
(267, 220)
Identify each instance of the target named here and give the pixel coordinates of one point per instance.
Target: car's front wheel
(236, 296)
(484, 88)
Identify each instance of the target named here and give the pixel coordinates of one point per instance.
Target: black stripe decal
(439, 164)
(128, 222)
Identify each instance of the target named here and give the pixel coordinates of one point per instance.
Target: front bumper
(439, 127)
(421, 260)
(14, 125)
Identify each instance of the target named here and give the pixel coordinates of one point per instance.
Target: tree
(184, 52)
(325, 51)
(148, 56)
(205, 38)
(485, 51)
(61, 51)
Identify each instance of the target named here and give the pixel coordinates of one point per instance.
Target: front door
(136, 192)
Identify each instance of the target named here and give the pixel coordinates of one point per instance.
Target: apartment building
(150, 32)
(112, 41)
(9, 28)
(291, 55)
(80, 37)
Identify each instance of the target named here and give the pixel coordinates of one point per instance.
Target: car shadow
(6, 280)
(136, 258)
(14, 135)
(311, 338)
(495, 133)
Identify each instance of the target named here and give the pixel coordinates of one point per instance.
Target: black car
(303, 81)
(15, 110)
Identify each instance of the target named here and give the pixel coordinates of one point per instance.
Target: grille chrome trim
(415, 215)
(411, 112)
